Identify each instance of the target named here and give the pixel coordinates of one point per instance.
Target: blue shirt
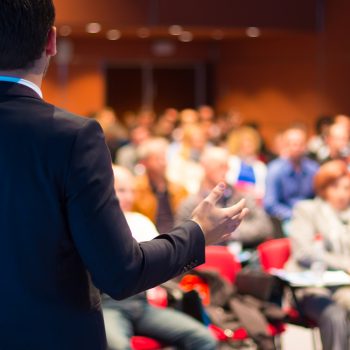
(246, 174)
(285, 186)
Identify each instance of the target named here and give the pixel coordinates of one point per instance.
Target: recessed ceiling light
(93, 27)
(65, 30)
(143, 32)
(113, 34)
(186, 37)
(218, 34)
(253, 32)
(175, 30)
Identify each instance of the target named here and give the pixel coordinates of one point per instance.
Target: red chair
(219, 258)
(274, 254)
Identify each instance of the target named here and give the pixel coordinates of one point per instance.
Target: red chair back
(274, 253)
(220, 259)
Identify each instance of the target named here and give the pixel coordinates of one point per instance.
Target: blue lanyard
(21, 81)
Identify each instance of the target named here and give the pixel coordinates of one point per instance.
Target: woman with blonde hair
(245, 169)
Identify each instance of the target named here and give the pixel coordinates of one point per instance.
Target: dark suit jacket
(62, 232)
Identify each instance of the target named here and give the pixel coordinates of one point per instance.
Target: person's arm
(272, 202)
(302, 234)
(119, 266)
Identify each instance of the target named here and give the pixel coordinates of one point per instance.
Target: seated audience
(245, 168)
(187, 117)
(134, 316)
(207, 120)
(156, 197)
(337, 142)
(317, 147)
(343, 120)
(289, 177)
(325, 218)
(166, 124)
(127, 155)
(183, 168)
(115, 133)
(146, 118)
(256, 226)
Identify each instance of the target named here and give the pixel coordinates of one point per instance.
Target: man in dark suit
(61, 228)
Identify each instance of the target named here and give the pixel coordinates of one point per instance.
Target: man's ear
(51, 46)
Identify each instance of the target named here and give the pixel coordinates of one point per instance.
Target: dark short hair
(24, 29)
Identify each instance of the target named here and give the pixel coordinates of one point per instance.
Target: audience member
(265, 153)
(127, 155)
(115, 133)
(289, 177)
(343, 120)
(134, 315)
(188, 116)
(146, 118)
(245, 169)
(208, 123)
(337, 142)
(317, 147)
(156, 197)
(255, 228)
(325, 218)
(166, 124)
(183, 168)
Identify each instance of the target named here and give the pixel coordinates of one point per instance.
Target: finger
(237, 219)
(226, 237)
(240, 216)
(216, 193)
(235, 209)
(232, 225)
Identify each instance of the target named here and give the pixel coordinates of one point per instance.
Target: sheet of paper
(310, 279)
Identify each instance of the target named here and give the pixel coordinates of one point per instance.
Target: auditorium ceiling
(202, 19)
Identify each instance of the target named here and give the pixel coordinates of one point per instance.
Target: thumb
(216, 193)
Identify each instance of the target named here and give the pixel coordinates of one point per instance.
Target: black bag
(260, 285)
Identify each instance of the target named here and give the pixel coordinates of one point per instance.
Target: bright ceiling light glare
(93, 28)
(175, 30)
(113, 34)
(218, 34)
(65, 30)
(253, 32)
(186, 37)
(143, 33)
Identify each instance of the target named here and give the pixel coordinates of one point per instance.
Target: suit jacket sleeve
(119, 266)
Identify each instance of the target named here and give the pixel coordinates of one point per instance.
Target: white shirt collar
(24, 82)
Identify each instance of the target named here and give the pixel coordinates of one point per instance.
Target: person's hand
(218, 223)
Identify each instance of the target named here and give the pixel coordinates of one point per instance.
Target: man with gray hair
(257, 226)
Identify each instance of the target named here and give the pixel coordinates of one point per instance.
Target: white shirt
(142, 228)
(24, 82)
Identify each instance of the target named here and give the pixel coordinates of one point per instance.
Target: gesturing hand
(218, 223)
